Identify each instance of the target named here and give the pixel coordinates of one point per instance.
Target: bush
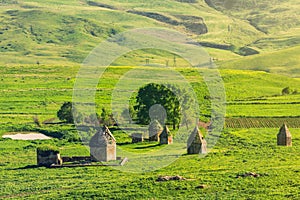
(286, 91)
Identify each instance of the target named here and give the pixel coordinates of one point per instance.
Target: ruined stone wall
(137, 137)
(48, 158)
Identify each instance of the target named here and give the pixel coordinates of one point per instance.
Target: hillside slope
(64, 32)
(279, 20)
(285, 61)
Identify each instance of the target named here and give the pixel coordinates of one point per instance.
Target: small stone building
(165, 136)
(154, 131)
(137, 137)
(284, 137)
(103, 146)
(47, 158)
(196, 143)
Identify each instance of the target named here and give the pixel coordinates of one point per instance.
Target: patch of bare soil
(26, 136)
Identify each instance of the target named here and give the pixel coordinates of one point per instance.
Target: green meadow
(32, 90)
(255, 47)
(237, 152)
(28, 91)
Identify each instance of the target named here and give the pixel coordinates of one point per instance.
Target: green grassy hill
(266, 16)
(285, 62)
(64, 32)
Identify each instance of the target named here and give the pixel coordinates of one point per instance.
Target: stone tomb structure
(46, 158)
(103, 146)
(137, 137)
(165, 136)
(284, 137)
(196, 143)
(154, 131)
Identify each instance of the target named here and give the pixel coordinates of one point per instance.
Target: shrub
(286, 91)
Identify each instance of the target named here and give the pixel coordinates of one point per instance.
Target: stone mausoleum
(103, 146)
(165, 137)
(284, 137)
(196, 143)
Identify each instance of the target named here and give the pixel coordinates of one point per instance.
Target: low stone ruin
(196, 143)
(46, 158)
(67, 159)
(284, 137)
(170, 178)
(137, 137)
(249, 174)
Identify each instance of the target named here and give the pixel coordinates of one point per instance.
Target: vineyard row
(261, 122)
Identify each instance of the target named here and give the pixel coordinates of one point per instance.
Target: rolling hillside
(64, 32)
(285, 62)
(254, 43)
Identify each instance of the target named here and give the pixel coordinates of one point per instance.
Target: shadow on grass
(149, 146)
(123, 143)
(26, 167)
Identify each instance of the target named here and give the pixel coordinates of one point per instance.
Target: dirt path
(26, 136)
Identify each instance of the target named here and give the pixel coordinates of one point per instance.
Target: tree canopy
(65, 113)
(161, 103)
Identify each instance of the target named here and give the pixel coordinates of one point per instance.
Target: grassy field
(237, 152)
(255, 45)
(28, 91)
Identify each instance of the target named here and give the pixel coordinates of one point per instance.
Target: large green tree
(168, 96)
(65, 113)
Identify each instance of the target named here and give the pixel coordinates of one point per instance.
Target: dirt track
(26, 136)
